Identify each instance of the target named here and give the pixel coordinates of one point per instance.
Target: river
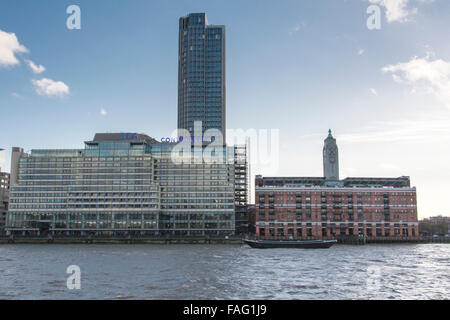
(406, 271)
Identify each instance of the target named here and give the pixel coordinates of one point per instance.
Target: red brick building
(316, 207)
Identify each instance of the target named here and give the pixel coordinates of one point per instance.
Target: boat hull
(312, 244)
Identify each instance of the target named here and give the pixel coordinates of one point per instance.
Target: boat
(308, 244)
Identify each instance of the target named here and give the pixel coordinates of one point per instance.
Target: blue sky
(298, 66)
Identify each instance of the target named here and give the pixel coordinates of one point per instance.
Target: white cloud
(16, 95)
(49, 87)
(430, 76)
(103, 112)
(296, 28)
(435, 130)
(396, 10)
(360, 52)
(35, 68)
(373, 91)
(9, 46)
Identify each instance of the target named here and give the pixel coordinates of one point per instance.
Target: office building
(121, 184)
(326, 207)
(202, 95)
(201, 74)
(4, 199)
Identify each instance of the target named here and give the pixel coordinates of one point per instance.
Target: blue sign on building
(129, 136)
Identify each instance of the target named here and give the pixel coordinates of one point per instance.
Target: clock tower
(330, 158)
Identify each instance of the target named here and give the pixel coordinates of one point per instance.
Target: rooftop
(116, 137)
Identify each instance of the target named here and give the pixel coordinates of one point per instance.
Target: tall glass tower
(201, 74)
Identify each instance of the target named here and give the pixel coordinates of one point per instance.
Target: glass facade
(4, 199)
(120, 186)
(201, 74)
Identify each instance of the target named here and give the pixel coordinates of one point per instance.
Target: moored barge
(308, 244)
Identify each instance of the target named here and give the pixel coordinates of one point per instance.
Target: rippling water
(415, 271)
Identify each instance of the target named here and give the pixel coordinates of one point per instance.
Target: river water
(412, 271)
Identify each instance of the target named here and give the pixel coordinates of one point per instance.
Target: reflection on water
(416, 271)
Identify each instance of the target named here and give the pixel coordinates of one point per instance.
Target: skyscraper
(201, 74)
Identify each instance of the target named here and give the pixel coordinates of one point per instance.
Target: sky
(299, 67)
